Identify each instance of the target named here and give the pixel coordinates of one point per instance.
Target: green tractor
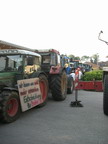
(52, 65)
(23, 84)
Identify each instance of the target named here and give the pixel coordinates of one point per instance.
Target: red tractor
(51, 65)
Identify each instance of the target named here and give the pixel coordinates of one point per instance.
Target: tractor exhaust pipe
(102, 39)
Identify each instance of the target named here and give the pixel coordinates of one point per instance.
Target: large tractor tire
(59, 86)
(10, 106)
(43, 82)
(105, 95)
(70, 84)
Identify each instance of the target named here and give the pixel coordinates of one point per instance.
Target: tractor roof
(9, 48)
(47, 51)
(18, 51)
(7, 45)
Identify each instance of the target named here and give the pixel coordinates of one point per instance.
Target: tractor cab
(17, 64)
(50, 57)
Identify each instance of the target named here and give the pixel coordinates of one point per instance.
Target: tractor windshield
(46, 59)
(50, 59)
(10, 62)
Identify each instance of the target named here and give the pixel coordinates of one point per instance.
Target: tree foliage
(74, 57)
(84, 58)
(77, 58)
(93, 59)
(71, 56)
(92, 75)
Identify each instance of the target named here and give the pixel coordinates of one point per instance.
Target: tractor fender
(36, 74)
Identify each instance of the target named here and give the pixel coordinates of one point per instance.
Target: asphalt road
(58, 123)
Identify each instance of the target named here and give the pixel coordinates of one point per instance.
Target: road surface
(58, 123)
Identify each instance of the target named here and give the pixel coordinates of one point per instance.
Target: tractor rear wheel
(105, 95)
(43, 82)
(10, 106)
(59, 86)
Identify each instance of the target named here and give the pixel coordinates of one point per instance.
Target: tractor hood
(7, 79)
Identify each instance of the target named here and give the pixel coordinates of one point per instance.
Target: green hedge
(92, 75)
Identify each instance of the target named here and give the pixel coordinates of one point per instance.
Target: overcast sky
(70, 26)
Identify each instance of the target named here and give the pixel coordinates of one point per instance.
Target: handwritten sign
(29, 92)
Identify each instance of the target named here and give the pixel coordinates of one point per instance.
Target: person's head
(66, 65)
(78, 69)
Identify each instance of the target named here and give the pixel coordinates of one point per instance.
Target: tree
(85, 58)
(91, 60)
(71, 56)
(77, 58)
(95, 58)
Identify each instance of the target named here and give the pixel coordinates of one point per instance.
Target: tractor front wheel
(10, 106)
